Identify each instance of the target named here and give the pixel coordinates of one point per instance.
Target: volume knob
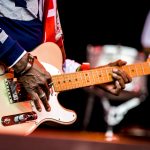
(20, 118)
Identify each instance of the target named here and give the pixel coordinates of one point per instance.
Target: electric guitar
(18, 114)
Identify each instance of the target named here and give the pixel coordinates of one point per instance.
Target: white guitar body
(50, 56)
(23, 118)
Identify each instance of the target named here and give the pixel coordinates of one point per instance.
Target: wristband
(29, 65)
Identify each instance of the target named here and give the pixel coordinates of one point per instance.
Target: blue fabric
(26, 36)
(24, 28)
(11, 51)
(21, 3)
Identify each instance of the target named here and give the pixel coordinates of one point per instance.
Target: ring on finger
(42, 95)
(50, 84)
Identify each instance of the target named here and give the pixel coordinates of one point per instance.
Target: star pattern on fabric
(21, 3)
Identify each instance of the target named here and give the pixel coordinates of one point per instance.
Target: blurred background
(90, 25)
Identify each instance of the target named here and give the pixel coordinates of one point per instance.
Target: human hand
(120, 78)
(36, 82)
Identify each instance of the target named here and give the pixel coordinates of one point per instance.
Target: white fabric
(145, 37)
(24, 52)
(3, 36)
(19, 13)
(70, 66)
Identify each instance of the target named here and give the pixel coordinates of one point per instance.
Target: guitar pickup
(18, 118)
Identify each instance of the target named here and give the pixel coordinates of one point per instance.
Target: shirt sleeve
(10, 50)
(70, 66)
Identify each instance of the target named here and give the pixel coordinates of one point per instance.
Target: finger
(119, 79)
(121, 63)
(115, 88)
(48, 79)
(46, 90)
(49, 83)
(118, 88)
(43, 98)
(45, 103)
(118, 63)
(129, 78)
(122, 74)
(45, 86)
(36, 100)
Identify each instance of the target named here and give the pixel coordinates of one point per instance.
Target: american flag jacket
(24, 24)
(23, 27)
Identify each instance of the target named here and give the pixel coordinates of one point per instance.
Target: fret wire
(84, 78)
(98, 76)
(74, 81)
(147, 68)
(137, 70)
(135, 66)
(144, 66)
(109, 73)
(133, 70)
(102, 74)
(106, 72)
(140, 64)
(81, 77)
(130, 71)
(88, 80)
(143, 69)
(93, 76)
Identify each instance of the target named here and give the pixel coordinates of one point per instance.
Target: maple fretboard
(96, 76)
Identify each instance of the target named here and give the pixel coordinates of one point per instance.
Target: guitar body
(50, 56)
(21, 117)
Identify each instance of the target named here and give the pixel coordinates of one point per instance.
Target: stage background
(99, 23)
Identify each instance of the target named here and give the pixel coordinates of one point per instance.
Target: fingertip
(114, 75)
(48, 109)
(39, 109)
(122, 63)
(115, 69)
(117, 83)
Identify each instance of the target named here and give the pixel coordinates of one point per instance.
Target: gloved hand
(35, 80)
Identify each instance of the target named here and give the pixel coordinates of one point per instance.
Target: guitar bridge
(16, 91)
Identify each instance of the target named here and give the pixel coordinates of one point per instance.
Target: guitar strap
(52, 27)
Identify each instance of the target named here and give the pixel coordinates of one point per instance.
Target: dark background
(100, 22)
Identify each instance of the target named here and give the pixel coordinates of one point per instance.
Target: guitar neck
(96, 76)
